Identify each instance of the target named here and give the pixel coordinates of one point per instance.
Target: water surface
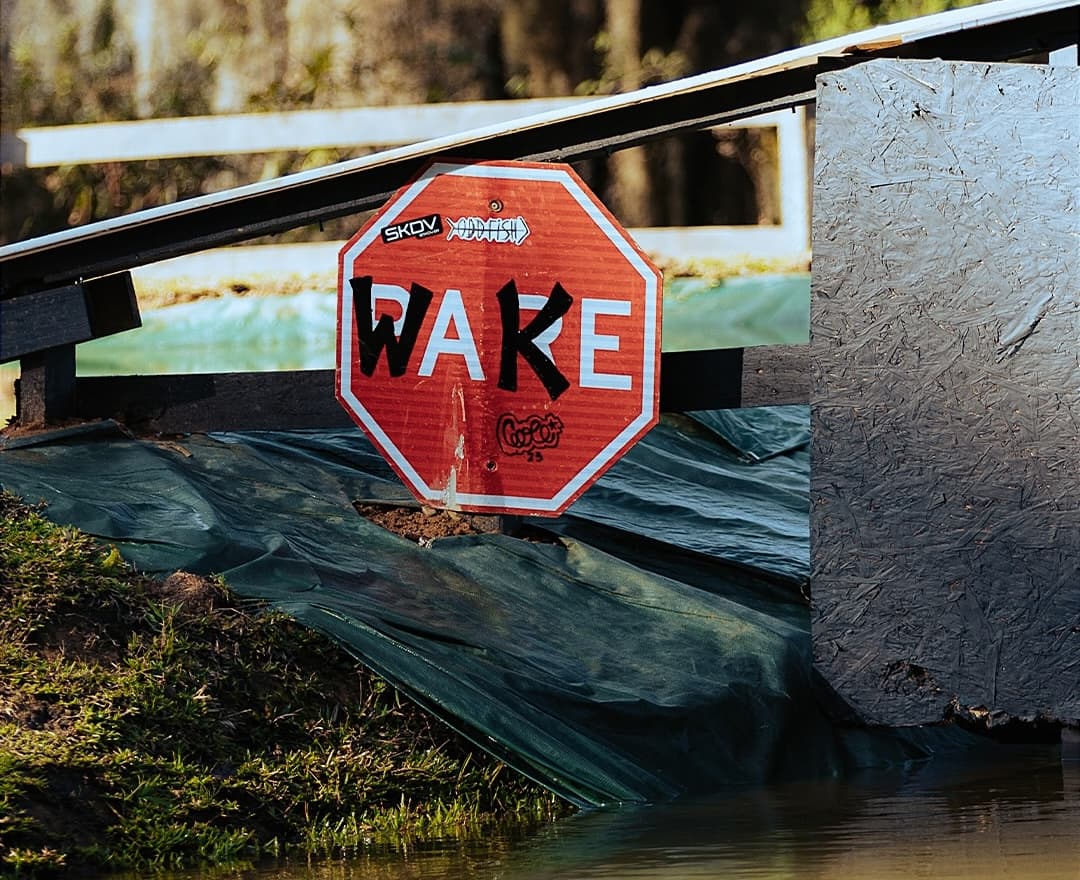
(298, 331)
(1017, 816)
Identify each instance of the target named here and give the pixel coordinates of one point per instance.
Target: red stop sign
(498, 336)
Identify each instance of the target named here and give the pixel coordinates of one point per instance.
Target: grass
(163, 724)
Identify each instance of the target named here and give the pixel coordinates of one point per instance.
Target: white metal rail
(383, 127)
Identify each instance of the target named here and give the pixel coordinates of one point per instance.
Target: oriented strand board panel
(945, 361)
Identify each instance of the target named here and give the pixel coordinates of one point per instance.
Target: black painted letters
(520, 341)
(374, 339)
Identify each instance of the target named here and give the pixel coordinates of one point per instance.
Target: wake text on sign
(532, 342)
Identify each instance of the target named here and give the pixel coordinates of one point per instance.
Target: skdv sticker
(418, 227)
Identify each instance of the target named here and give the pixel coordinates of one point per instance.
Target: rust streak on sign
(498, 336)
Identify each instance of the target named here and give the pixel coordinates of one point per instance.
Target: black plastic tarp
(660, 647)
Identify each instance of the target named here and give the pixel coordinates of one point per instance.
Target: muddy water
(1017, 817)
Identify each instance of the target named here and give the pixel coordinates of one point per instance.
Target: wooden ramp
(997, 31)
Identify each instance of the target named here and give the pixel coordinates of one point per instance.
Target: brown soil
(193, 591)
(13, 430)
(425, 524)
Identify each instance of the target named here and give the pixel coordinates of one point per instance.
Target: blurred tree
(95, 60)
(546, 46)
(630, 195)
(704, 177)
(830, 18)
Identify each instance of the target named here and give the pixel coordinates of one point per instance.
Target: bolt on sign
(498, 336)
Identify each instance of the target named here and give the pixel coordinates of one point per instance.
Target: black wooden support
(198, 402)
(67, 315)
(734, 377)
(692, 380)
(45, 390)
(42, 320)
(298, 399)
(41, 329)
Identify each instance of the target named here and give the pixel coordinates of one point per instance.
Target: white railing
(382, 127)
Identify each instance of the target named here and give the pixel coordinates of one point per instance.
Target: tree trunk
(630, 196)
(546, 46)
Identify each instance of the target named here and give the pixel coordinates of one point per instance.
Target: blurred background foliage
(79, 61)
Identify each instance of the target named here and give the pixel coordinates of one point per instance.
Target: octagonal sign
(498, 336)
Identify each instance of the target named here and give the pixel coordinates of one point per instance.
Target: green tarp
(660, 648)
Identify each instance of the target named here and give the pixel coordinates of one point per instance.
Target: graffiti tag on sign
(528, 436)
(498, 230)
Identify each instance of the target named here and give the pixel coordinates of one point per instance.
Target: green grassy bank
(155, 724)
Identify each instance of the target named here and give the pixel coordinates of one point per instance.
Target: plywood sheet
(945, 362)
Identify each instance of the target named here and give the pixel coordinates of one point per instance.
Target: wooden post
(45, 391)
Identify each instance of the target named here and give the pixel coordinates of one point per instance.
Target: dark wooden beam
(776, 374)
(42, 320)
(111, 304)
(66, 315)
(691, 380)
(297, 399)
(199, 402)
